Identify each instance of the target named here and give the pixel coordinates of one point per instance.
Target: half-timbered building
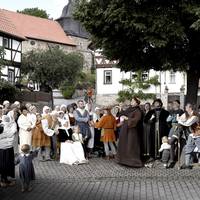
(11, 44)
(20, 33)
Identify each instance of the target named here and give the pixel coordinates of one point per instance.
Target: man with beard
(159, 127)
(82, 119)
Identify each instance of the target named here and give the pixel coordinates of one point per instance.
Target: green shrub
(67, 90)
(7, 91)
(86, 80)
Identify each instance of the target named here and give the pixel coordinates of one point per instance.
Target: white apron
(71, 153)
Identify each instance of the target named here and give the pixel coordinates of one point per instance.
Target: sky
(52, 7)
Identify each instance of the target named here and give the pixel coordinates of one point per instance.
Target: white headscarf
(44, 109)
(6, 102)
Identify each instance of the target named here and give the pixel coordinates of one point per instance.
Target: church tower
(77, 32)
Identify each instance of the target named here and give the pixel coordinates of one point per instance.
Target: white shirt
(33, 119)
(81, 110)
(46, 129)
(24, 122)
(77, 137)
(165, 146)
(7, 137)
(188, 122)
(64, 121)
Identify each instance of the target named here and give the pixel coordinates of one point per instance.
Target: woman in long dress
(40, 139)
(71, 151)
(129, 147)
(25, 128)
(7, 167)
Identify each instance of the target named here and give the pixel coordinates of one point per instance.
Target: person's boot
(47, 154)
(184, 166)
(171, 165)
(107, 158)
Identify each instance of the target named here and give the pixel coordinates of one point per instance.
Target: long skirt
(7, 166)
(71, 153)
(25, 137)
(40, 139)
(91, 140)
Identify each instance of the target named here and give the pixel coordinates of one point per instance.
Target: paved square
(101, 179)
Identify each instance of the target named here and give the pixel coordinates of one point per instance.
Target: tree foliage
(136, 86)
(51, 67)
(146, 34)
(85, 80)
(34, 12)
(7, 91)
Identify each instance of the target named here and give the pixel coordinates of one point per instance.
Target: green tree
(136, 86)
(85, 80)
(34, 12)
(146, 34)
(51, 67)
(7, 91)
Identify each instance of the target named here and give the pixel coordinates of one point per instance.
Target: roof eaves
(13, 35)
(55, 42)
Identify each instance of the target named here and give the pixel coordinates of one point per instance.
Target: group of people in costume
(132, 134)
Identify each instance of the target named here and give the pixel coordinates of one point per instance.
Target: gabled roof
(7, 26)
(35, 27)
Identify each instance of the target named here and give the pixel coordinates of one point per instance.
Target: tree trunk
(192, 86)
(45, 88)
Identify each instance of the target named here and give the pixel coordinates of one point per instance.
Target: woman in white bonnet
(46, 111)
(7, 167)
(6, 107)
(63, 108)
(25, 127)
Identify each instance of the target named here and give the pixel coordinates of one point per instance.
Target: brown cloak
(129, 139)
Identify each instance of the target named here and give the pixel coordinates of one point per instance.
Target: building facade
(12, 57)
(108, 78)
(20, 33)
(11, 44)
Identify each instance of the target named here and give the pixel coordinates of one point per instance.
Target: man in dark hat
(159, 127)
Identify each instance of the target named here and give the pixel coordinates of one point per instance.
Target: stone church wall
(43, 45)
(82, 47)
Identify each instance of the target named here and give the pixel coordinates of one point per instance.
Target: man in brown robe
(129, 141)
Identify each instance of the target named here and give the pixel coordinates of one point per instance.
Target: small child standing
(78, 139)
(77, 136)
(165, 149)
(26, 169)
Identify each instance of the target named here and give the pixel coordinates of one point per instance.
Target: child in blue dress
(26, 169)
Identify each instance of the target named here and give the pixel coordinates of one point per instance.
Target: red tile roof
(33, 27)
(7, 26)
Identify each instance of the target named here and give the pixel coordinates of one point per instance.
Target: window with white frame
(107, 76)
(172, 77)
(145, 76)
(11, 75)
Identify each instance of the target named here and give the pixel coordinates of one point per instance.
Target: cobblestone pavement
(101, 179)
